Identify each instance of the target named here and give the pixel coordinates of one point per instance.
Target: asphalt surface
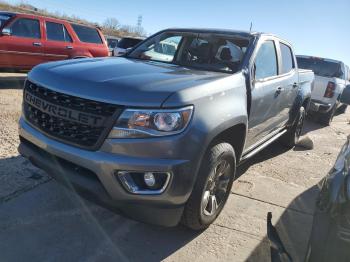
(42, 221)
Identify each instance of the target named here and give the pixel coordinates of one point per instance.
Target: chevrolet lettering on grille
(64, 113)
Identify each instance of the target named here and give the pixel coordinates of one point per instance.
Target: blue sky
(320, 28)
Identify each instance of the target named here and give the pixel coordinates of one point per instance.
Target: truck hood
(119, 81)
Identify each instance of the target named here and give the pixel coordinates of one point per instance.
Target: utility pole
(139, 21)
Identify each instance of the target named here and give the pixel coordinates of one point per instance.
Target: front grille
(69, 119)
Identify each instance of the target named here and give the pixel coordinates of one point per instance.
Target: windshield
(3, 19)
(128, 42)
(321, 67)
(209, 52)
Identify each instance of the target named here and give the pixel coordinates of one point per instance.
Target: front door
(265, 114)
(23, 47)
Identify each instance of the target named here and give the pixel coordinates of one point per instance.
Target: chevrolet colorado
(159, 138)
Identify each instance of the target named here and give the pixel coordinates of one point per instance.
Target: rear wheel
(326, 119)
(292, 136)
(212, 188)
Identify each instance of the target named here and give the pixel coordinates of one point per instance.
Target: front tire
(291, 138)
(212, 188)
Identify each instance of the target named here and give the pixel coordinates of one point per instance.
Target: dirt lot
(40, 221)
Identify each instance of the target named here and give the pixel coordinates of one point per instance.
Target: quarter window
(287, 59)
(25, 27)
(57, 32)
(266, 61)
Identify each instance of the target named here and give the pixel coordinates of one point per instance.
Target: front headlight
(139, 123)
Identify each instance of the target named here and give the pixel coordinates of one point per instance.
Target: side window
(87, 34)
(25, 27)
(266, 61)
(287, 59)
(57, 32)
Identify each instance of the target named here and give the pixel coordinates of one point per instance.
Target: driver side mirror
(6, 31)
(345, 97)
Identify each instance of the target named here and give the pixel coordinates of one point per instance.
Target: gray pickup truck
(158, 133)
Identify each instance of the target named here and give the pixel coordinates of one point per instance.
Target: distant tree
(140, 31)
(133, 30)
(111, 23)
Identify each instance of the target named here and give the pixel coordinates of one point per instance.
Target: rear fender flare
(303, 98)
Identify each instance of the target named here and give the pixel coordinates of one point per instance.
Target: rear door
(288, 81)
(23, 47)
(265, 116)
(58, 44)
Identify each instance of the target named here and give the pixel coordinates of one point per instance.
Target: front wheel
(292, 136)
(212, 188)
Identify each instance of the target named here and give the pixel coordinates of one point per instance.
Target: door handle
(279, 89)
(69, 47)
(36, 44)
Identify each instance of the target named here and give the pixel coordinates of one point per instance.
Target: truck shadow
(273, 150)
(35, 209)
(12, 81)
(293, 226)
(311, 125)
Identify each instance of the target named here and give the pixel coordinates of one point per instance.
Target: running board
(263, 145)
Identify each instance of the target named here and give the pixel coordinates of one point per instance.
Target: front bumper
(92, 174)
(319, 106)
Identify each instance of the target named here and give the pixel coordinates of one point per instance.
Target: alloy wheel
(216, 188)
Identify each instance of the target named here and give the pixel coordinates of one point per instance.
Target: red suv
(28, 40)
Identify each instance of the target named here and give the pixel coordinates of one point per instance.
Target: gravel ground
(16, 174)
(278, 180)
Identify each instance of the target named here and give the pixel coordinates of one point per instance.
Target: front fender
(218, 106)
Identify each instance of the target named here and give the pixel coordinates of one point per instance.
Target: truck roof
(34, 14)
(319, 58)
(7, 13)
(214, 30)
(242, 33)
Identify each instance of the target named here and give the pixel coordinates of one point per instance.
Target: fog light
(149, 179)
(144, 183)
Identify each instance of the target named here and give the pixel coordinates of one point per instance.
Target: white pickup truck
(331, 77)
